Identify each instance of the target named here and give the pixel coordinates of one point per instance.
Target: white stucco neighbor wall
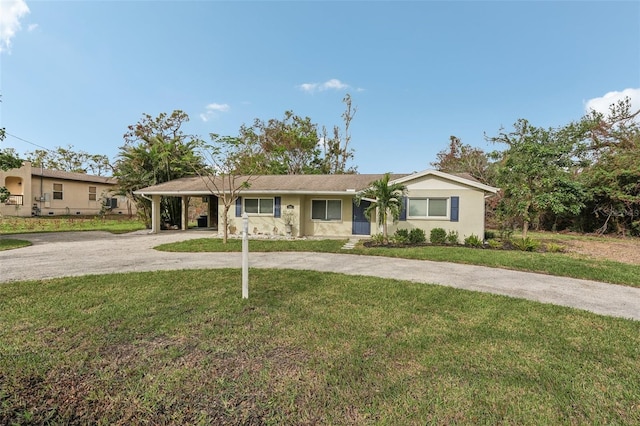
(74, 197)
(18, 182)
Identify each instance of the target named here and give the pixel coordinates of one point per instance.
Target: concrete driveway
(81, 253)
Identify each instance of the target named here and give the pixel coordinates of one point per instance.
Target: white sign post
(245, 256)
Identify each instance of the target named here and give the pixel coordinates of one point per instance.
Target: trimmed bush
(401, 236)
(438, 236)
(417, 236)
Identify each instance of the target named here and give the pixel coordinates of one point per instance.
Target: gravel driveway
(81, 253)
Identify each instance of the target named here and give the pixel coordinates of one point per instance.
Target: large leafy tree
(292, 145)
(386, 201)
(536, 174)
(287, 146)
(156, 150)
(612, 178)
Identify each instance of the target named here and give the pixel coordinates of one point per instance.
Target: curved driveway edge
(80, 253)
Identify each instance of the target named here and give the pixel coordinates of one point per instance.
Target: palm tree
(387, 200)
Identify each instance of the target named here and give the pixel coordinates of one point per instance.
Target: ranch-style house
(323, 205)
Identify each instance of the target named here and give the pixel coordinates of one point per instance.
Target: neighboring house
(323, 205)
(42, 192)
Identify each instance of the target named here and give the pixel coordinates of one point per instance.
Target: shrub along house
(41, 192)
(323, 205)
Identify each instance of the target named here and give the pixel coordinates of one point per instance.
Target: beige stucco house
(323, 205)
(41, 192)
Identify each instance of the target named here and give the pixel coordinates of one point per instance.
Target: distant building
(41, 192)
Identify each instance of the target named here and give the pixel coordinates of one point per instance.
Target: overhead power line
(29, 142)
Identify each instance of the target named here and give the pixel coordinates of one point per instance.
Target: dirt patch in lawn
(626, 251)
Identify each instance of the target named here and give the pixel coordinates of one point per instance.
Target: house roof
(283, 184)
(300, 184)
(83, 177)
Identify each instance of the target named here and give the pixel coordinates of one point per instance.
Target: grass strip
(235, 245)
(21, 225)
(9, 243)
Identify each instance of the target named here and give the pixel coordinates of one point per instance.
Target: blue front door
(360, 224)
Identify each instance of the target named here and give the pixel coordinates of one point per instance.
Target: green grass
(305, 348)
(234, 245)
(547, 263)
(21, 225)
(9, 244)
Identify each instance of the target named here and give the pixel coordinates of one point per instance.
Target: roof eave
(244, 192)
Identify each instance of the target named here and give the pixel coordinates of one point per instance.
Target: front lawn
(182, 347)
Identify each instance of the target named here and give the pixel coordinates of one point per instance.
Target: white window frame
(60, 191)
(93, 193)
(428, 199)
(326, 209)
(258, 213)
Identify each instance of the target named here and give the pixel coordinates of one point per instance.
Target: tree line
(583, 176)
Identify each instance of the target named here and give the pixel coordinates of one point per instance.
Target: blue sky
(79, 72)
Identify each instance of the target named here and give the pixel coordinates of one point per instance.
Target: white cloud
(32, 27)
(603, 103)
(11, 11)
(333, 84)
(218, 107)
(212, 110)
(308, 87)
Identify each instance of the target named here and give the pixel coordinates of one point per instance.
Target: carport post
(155, 213)
(184, 222)
(245, 256)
